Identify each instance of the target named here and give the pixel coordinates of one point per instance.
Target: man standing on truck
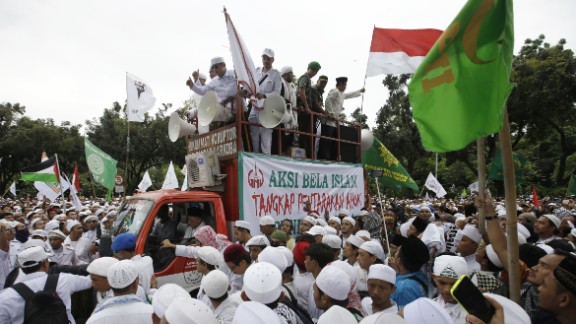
(306, 104)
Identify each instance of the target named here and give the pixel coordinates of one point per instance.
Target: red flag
(76, 178)
(535, 197)
(399, 51)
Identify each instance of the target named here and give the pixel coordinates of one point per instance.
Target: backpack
(44, 306)
(293, 305)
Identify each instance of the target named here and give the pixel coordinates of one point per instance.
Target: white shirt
(225, 311)
(473, 265)
(65, 256)
(367, 306)
(362, 282)
(91, 236)
(271, 85)
(224, 86)
(12, 305)
(302, 282)
(335, 101)
(128, 313)
(81, 247)
(190, 231)
(456, 312)
(15, 247)
(314, 311)
(4, 267)
(145, 270)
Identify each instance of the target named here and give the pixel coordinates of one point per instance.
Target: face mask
(22, 235)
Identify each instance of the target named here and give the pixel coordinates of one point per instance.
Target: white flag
(73, 193)
(473, 187)
(243, 64)
(13, 188)
(140, 98)
(170, 181)
(435, 186)
(145, 183)
(185, 183)
(48, 189)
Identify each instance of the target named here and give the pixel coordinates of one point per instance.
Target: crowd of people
(390, 263)
(302, 98)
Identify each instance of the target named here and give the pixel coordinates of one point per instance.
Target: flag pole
(382, 216)
(127, 153)
(60, 184)
(480, 148)
(510, 203)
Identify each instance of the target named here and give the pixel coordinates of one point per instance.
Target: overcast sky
(67, 59)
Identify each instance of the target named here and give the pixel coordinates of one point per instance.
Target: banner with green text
(280, 187)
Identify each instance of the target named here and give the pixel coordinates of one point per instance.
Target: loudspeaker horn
(178, 127)
(274, 111)
(208, 109)
(367, 140)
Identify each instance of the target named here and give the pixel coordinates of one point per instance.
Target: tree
(359, 117)
(542, 104)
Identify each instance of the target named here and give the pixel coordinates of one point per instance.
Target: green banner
(497, 171)
(102, 165)
(459, 91)
(571, 190)
(378, 157)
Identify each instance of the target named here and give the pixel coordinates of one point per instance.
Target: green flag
(102, 166)
(458, 93)
(393, 173)
(497, 171)
(571, 190)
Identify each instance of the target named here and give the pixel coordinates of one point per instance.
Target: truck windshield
(132, 215)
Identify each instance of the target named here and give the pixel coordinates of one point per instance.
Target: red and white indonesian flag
(140, 98)
(243, 64)
(399, 51)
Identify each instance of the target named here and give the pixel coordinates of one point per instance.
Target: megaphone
(367, 139)
(178, 127)
(208, 109)
(274, 112)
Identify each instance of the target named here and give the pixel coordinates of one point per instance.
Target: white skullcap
(501, 213)
(513, 313)
(101, 265)
(98, 212)
(337, 314)
(493, 257)
(190, 311)
(330, 282)
(255, 313)
(60, 235)
(262, 282)
(286, 69)
(210, 255)
(330, 230)
(343, 212)
(472, 233)
(355, 240)
(553, 219)
(363, 233)
(351, 271)
(273, 256)
(349, 219)
(313, 214)
(310, 220)
(258, 240)
(336, 219)
(122, 274)
(547, 248)
(383, 318)
(267, 220)
(363, 213)
(374, 249)
(52, 225)
(424, 207)
(317, 230)
(202, 76)
(33, 242)
(242, 224)
(216, 60)
(34, 221)
(165, 296)
(460, 217)
(215, 284)
(32, 256)
(450, 266)
(70, 224)
(288, 255)
(321, 222)
(91, 218)
(268, 52)
(521, 238)
(523, 230)
(105, 219)
(39, 232)
(405, 227)
(333, 241)
(425, 310)
(382, 272)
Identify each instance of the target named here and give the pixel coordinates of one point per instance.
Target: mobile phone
(471, 298)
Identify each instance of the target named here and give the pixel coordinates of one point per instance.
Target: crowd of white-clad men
(334, 268)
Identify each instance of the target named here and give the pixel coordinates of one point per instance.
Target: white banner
(433, 184)
(280, 187)
(140, 98)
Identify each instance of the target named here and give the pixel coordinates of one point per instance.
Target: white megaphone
(274, 112)
(208, 109)
(366, 140)
(178, 127)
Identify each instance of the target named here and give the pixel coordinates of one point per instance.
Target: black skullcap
(420, 224)
(195, 211)
(414, 254)
(565, 273)
(341, 80)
